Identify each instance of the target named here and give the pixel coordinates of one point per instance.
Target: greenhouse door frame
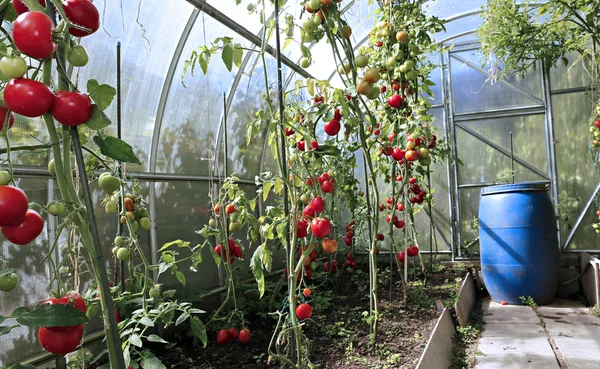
(452, 122)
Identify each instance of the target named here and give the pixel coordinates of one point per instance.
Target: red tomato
(223, 337)
(13, 206)
(411, 155)
(412, 251)
(395, 101)
(400, 223)
(303, 311)
(323, 177)
(32, 35)
(301, 145)
(348, 256)
(337, 115)
(302, 229)
(25, 232)
(314, 145)
(245, 336)
(28, 97)
(129, 205)
(400, 256)
(21, 8)
(327, 187)
(348, 263)
(229, 209)
(398, 154)
(308, 211)
(320, 227)
(354, 265)
(11, 122)
(333, 127)
(309, 182)
(348, 241)
(233, 333)
(380, 237)
(74, 299)
(82, 13)
(317, 204)
(72, 108)
(60, 343)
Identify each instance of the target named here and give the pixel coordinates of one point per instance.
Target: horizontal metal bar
(460, 34)
(209, 10)
(156, 177)
(572, 90)
(481, 185)
(502, 150)
(500, 113)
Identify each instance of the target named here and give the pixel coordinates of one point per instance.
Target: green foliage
(45, 315)
(116, 149)
(231, 54)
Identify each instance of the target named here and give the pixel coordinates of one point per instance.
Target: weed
(465, 341)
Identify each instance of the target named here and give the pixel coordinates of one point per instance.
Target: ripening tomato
(317, 204)
(329, 246)
(63, 342)
(400, 256)
(13, 206)
(223, 337)
(72, 298)
(327, 187)
(72, 108)
(32, 35)
(21, 8)
(304, 311)
(306, 292)
(245, 336)
(320, 227)
(129, 205)
(332, 127)
(411, 155)
(25, 232)
(82, 13)
(398, 154)
(28, 97)
(230, 209)
(302, 229)
(11, 121)
(308, 211)
(395, 101)
(412, 251)
(233, 333)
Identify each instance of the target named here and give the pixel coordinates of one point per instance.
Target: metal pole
(101, 267)
(431, 230)
(368, 197)
(449, 180)
(458, 250)
(119, 167)
(512, 157)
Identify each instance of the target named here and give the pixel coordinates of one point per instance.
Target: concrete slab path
(514, 337)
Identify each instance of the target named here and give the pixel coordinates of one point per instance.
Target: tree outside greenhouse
(287, 184)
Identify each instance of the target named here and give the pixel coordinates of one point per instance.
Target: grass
(465, 342)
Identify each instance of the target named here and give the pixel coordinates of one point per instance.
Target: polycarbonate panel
(147, 47)
(241, 14)
(193, 112)
(449, 8)
(473, 91)
(459, 26)
(27, 132)
(469, 212)
(184, 208)
(569, 76)
(577, 178)
(485, 164)
(528, 133)
(33, 280)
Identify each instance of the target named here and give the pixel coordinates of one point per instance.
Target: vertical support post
(119, 166)
(368, 197)
(100, 265)
(512, 157)
(431, 230)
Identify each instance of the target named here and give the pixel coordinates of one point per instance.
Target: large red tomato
(13, 206)
(28, 97)
(74, 299)
(32, 34)
(72, 108)
(304, 311)
(25, 232)
(21, 8)
(3, 112)
(82, 13)
(320, 227)
(62, 342)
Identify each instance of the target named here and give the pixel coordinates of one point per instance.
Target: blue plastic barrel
(518, 243)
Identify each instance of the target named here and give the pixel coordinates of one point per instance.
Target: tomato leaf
(147, 322)
(135, 340)
(98, 120)
(155, 338)
(116, 149)
(182, 318)
(50, 316)
(180, 277)
(237, 55)
(199, 330)
(5, 329)
(227, 54)
(179, 243)
(152, 362)
(102, 95)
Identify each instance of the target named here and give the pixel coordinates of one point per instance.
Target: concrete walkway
(514, 337)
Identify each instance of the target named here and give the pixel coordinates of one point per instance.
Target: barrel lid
(518, 187)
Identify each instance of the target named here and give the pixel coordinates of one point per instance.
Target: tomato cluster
(226, 336)
(19, 224)
(235, 251)
(350, 262)
(412, 251)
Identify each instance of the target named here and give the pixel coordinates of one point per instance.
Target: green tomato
(109, 183)
(412, 75)
(409, 64)
(361, 61)
(115, 250)
(4, 178)
(212, 223)
(56, 208)
(290, 32)
(13, 67)
(52, 168)
(399, 54)
(309, 37)
(234, 216)
(308, 26)
(135, 226)
(315, 4)
(234, 226)
(374, 94)
(9, 282)
(403, 69)
(250, 7)
(111, 207)
(304, 63)
(145, 224)
(123, 254)
(78, 56)
(425, 161)
(313, 266)
(305, 198)
(119, 241)
(392, 61)
(154, 293)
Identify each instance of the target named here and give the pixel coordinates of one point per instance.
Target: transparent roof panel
(147, 47)
(193, 112)
(448, 8)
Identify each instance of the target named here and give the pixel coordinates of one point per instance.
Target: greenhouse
(299, 184)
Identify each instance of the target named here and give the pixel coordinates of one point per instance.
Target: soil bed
(338, 333)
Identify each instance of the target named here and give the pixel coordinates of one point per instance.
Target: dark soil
(338, 333)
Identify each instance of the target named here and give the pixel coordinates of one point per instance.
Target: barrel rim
(517, 187)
